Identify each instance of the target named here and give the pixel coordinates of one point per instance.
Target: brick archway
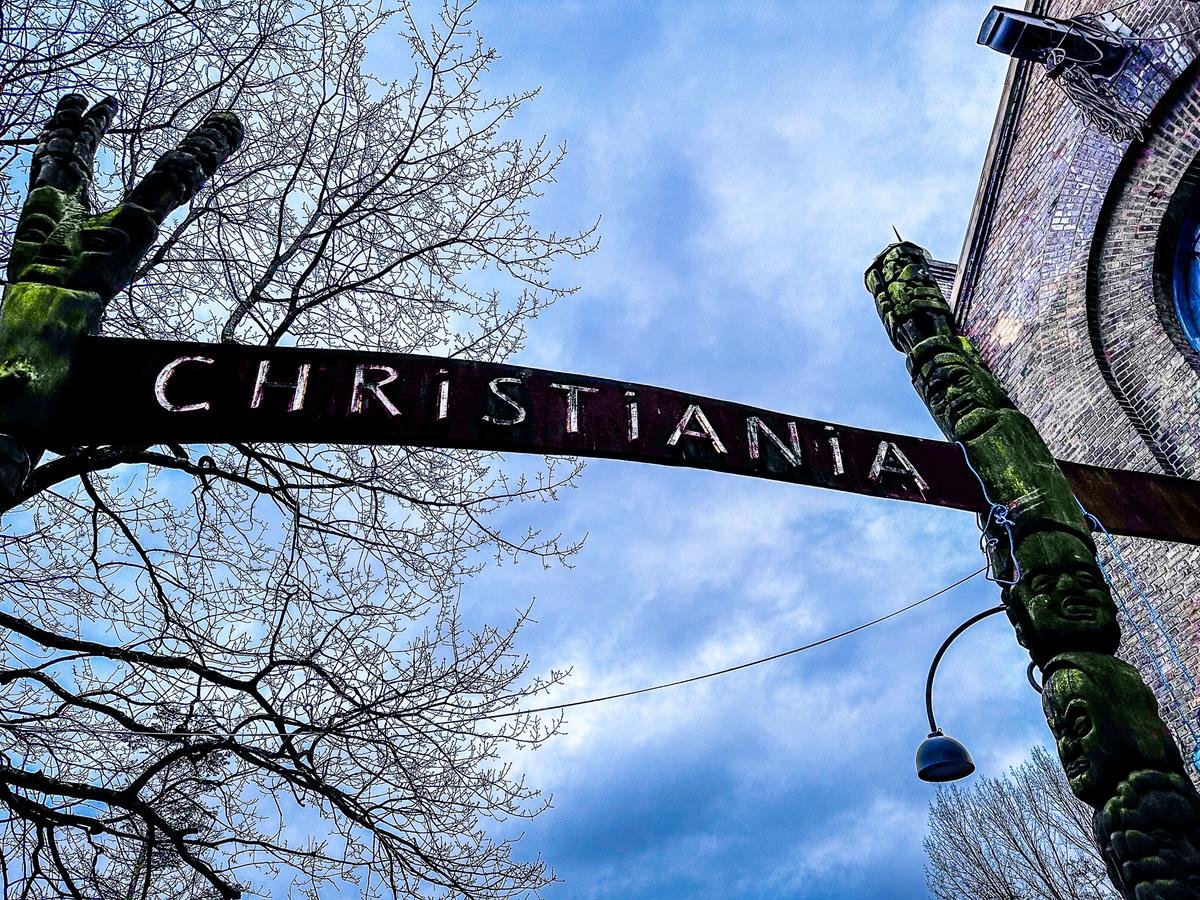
(1138, 343)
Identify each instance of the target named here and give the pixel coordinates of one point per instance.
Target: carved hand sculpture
(67, 262)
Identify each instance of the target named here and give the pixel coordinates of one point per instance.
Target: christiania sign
(61, 388)
(125, 391)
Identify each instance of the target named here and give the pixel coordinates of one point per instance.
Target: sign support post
(1117, 752)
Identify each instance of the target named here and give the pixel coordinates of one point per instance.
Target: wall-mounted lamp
(1032, 37)
(1083, 56)
(940, 757)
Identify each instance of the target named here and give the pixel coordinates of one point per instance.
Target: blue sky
(748, 161)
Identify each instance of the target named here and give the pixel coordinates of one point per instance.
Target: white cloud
(840, 849)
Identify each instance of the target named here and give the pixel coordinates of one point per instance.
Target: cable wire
(998, 513)
(745, 665)
(556, 706)
(1181, 708)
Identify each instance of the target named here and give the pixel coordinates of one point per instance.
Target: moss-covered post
(67, 262)
(1117, 753)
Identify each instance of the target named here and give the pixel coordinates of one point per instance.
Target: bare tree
(245, 668)
(1023, 836)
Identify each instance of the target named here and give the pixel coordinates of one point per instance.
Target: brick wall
(1065, 288)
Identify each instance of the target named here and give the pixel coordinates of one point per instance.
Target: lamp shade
(942, 758)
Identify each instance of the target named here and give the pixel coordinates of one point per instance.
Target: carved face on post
(962, 395)
(908, 300)
(1105, 723)
(1061, 601)
(1104, 718)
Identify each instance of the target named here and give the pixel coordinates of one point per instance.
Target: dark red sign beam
(126, 391)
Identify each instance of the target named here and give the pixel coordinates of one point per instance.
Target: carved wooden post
(1117, 752)
(67, 263)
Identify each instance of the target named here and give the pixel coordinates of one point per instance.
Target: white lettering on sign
(836, 446)
(494, 386)
(695, 412)
(573, 402)
(881, 465)
(299, 386)
(443, 408)
(164, 377)
(755, 426)
(371, 380)
(374, 386)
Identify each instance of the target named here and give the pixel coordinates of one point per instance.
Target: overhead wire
(1094, 20)
(554, 706)
(745, 665)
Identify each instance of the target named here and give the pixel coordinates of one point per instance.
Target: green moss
(17, 370)
(40, 327)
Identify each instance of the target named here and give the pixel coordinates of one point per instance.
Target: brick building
(1079, 281)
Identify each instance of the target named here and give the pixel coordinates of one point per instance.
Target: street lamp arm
(937, 658)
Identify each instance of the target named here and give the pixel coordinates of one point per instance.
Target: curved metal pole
(937, 658)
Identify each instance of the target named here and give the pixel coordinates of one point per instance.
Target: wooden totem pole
(1118, 755)
(68, 262)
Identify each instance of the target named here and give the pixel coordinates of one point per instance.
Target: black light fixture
(1032, 37)
(940, 757)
